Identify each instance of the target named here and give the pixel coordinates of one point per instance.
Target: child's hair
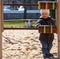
(45, 10)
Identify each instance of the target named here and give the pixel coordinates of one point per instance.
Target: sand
(24, 44)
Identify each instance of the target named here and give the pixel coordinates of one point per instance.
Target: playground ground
(24, 44)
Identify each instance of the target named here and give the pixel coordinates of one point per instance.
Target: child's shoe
(46, 56)
(51, 55)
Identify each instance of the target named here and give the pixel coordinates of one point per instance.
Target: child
(28, 24)
(46, 39)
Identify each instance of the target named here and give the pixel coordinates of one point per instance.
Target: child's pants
(46, 47)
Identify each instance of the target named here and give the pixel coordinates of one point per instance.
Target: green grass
(17, 24)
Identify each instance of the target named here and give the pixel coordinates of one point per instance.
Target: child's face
(45, 15)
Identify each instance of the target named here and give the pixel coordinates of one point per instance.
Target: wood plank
(58, 26)
(1, 27)
(22, 4)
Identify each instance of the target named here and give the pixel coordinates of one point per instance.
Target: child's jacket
(48, 37)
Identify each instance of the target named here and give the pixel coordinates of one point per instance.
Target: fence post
(1, 26)
(58, 25)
